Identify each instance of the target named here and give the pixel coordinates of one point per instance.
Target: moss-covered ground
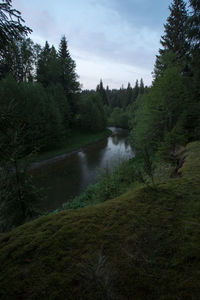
(144, 244)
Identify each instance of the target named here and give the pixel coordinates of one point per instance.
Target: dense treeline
(40, 106)
(168, 115)
(118, 103)
(44, 87)
(41, 102)
(165, 115)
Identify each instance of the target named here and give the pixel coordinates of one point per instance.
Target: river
(64, 179)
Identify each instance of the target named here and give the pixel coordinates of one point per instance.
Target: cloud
(120, 35)
(41, 21)
(113, 74)
(136, 12)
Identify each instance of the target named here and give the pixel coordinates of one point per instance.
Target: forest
(135, 233)
(42, 103)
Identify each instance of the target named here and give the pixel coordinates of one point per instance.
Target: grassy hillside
(144, 244)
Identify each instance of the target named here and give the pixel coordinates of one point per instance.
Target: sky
(112, 40)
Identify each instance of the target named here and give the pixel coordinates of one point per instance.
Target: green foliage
(174, 40)
(56, 71)
(92, 115)
(121, 98)
(143, 244)
(19, 198)
(110, 185)
(159, 111)
(19, 60)
(171, 142)
(119, 118)
(102, 92)
(48, 68)
(68, 77)
(61, 101)
(38, 111)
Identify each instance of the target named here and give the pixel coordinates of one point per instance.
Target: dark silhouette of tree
(174, 42)
(142, 89)
(102, 92)
(10, 24)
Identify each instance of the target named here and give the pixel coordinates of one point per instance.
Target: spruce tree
(129, 94)
(43, 65)
(194, 22)
(136, 90)
(100, 89)
(193, 108)
(174, 41)
(68, 77)
(141, 86)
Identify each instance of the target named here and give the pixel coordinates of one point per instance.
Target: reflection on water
(67, 178)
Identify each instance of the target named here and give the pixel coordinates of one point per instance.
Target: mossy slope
(142, 245)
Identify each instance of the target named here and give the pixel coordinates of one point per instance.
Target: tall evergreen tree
(136, 90)
(100, 89)
(141, 86)
(68, 77)
(43, 65)
(193, 118)
(174, 41)
(194, 22)
(48, 66)
(129, 92)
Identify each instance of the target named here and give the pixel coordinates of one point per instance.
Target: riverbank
(78, 139)
(142, 245)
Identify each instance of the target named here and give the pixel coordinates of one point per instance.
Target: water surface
(67, 178)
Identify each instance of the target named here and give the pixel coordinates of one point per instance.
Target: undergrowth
(111, 184)
(143, 244)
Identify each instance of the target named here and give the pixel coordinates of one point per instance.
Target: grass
(142, 245)
(76, 140)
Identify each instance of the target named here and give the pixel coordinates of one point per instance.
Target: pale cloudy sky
(115, 40)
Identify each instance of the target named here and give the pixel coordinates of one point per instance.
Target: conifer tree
(174, 41)
(100, 89)
(194, 22)
(43, 65)
(129, 94)
(141, 86)
(193, 108)
(68, 77)
(136, 90)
